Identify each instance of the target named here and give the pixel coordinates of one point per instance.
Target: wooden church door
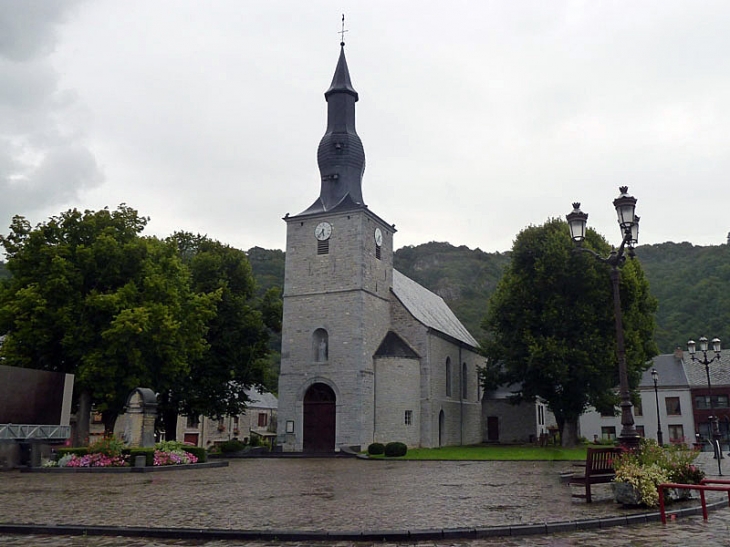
(319, 419)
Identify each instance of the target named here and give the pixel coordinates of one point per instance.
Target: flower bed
(173, 453)
(650, 465)
(111, 452)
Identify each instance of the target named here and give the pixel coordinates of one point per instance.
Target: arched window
(320, 346)
(448, 376)
(464, 383)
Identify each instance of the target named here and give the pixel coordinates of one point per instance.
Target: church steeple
(340, 155)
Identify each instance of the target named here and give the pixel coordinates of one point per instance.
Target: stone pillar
(141, 413)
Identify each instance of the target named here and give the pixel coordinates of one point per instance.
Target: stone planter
(626, 494)
(679, 494)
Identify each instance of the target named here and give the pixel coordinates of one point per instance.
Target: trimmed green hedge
(197, 451)
(376, 449)
(231, 446)
(395, 450)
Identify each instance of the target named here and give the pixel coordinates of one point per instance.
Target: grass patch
(497, 453)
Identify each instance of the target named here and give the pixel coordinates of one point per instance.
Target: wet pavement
(335, 495)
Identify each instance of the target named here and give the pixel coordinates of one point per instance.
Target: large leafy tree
(237, 336)
(550, 325)
(90, 296)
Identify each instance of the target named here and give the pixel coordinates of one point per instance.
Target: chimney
(679, 353)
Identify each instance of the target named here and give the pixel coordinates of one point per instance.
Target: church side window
(408, 419)
(320, 346)
(323, 247)
(448, 377)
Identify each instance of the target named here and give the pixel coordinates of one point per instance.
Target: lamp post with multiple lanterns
(659, 437)
(628, 221)
(714, 420)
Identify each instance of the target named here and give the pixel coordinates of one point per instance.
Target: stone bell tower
(339, 270)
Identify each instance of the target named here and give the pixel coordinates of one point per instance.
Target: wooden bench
(598, 469)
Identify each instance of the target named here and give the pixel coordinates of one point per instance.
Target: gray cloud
(44, 160)
(28, 27)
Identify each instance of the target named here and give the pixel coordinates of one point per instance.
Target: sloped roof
(671, 372)
(429, 308)
(258, 399)
(719, 370)
(394, 346)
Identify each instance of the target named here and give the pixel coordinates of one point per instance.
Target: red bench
(598, 469)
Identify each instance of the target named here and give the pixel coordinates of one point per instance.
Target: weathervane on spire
(343, 31)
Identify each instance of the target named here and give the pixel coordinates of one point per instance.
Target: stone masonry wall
(462, 417)
(397, 391)
(345, 292)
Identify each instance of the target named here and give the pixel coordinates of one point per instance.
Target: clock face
(378, 237)
(323, 231)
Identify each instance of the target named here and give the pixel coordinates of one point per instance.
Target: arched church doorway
(441, 428)
(319, 419)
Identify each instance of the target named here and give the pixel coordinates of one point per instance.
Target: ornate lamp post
(714, 420)
(659, 437)
(628, 221)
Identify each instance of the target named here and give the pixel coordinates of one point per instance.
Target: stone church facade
(368, 355)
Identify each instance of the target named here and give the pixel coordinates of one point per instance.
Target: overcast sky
(478, 118)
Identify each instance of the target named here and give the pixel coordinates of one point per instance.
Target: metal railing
(30, 432)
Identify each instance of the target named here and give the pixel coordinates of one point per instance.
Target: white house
(672, 397)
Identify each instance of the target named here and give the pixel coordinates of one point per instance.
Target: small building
(259, 420)
(673, 397)
(505, 422)
(710, 398)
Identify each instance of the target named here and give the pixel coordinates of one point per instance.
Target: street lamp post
(659, 437)
(628, 221)
(714, 420)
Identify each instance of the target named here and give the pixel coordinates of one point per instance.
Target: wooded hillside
(692, 283)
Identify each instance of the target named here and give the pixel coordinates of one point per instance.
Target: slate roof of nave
(429, 308)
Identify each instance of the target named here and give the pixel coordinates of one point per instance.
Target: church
(368, 355)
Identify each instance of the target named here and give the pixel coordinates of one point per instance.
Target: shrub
(169, 446)
(108, 446)
(77, 451)
(395, 450)
(376, 448)
(197, 451)
(650, 465)
(231, 446)
(174, 457)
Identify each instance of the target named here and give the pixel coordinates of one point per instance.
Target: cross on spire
(343, 31)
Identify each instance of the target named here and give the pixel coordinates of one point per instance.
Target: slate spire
(340, 154)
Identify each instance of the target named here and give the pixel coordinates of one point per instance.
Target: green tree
(237, 336)
(551, 328)
(90, 296)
